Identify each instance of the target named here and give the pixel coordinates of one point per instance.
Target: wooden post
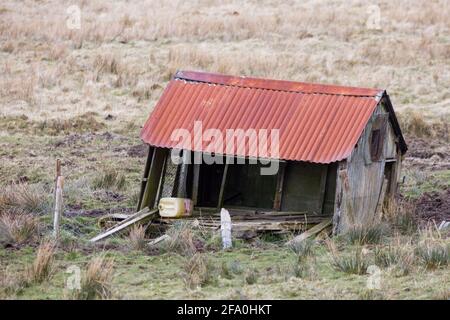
(58, 206)
(222, 185)
(145, 175)
(154, 175)
(279, 188)
(323, 187)
(58, 168)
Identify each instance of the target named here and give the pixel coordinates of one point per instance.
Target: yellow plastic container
(175, 207)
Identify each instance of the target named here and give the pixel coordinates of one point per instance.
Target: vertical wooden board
(145, 175)
(338, 224)
(322, 189)
(222, 186)
(153, 179)
(279, 187)
(161, 180)
(301, 191)
(171, 171)
(390, 146)
(330, 189)
(246, 187)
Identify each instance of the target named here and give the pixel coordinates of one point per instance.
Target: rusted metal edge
(279, 85)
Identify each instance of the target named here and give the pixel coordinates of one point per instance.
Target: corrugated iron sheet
(316, 123)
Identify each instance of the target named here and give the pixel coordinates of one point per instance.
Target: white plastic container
(175, 207)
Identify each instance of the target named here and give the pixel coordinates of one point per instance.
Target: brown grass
(96, 282)
(17, 228)
(42, 267)
(136, 238)
(133, 45)
(181, 241)
(198, 271)
(416, 124)
(109, 178)
(11, 283)
(24, 197)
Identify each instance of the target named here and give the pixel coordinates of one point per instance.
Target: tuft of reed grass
(251, 276)
(181, 240)
(414, 123)
(370, 234)
(17, 228)
(198, 271)
(433, 255)
(395, 256)
(42, 267)
(96, 283)
(110, 178)
(225, 271)
(355, 263)
(24, 197)
(136, 238)
(302, 269)
(11, 283)
(302, 249)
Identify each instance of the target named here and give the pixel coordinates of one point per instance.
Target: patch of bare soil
(85, 138)
(77, 210)
(434, 206)
(138, 151)
(428, 154)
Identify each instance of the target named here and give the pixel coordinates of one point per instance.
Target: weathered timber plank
(125, 225)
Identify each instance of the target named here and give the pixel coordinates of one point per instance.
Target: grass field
(82, 95)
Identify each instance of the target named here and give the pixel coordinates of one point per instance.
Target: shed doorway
(244, 186)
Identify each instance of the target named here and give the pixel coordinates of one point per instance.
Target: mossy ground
(141, 276)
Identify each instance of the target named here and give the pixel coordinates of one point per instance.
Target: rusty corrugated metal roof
(316, 123)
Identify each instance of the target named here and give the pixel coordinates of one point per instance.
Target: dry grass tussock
(414, 124)
(96, 281)
(43, 265)
(366, 234)
(136, 238)
(24, 197)
(198, 271)
(109, 178)
(433, 250)
(397, 256)
(182, 240)
(11, 283)
(17, 228)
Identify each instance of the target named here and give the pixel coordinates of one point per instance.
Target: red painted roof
(316, 123)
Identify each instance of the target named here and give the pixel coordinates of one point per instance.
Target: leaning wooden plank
(129, 217)
(113, 217)
(310, 232)
(379, 209)
(164, 237)
(122, 226)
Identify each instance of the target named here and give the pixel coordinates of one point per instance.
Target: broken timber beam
(310, 232)
(138, 217)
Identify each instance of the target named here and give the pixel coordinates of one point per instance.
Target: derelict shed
(339, 155)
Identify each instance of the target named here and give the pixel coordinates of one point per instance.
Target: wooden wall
(361, 183)
(309, 187)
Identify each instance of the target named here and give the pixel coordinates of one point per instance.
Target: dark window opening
(376, 145)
